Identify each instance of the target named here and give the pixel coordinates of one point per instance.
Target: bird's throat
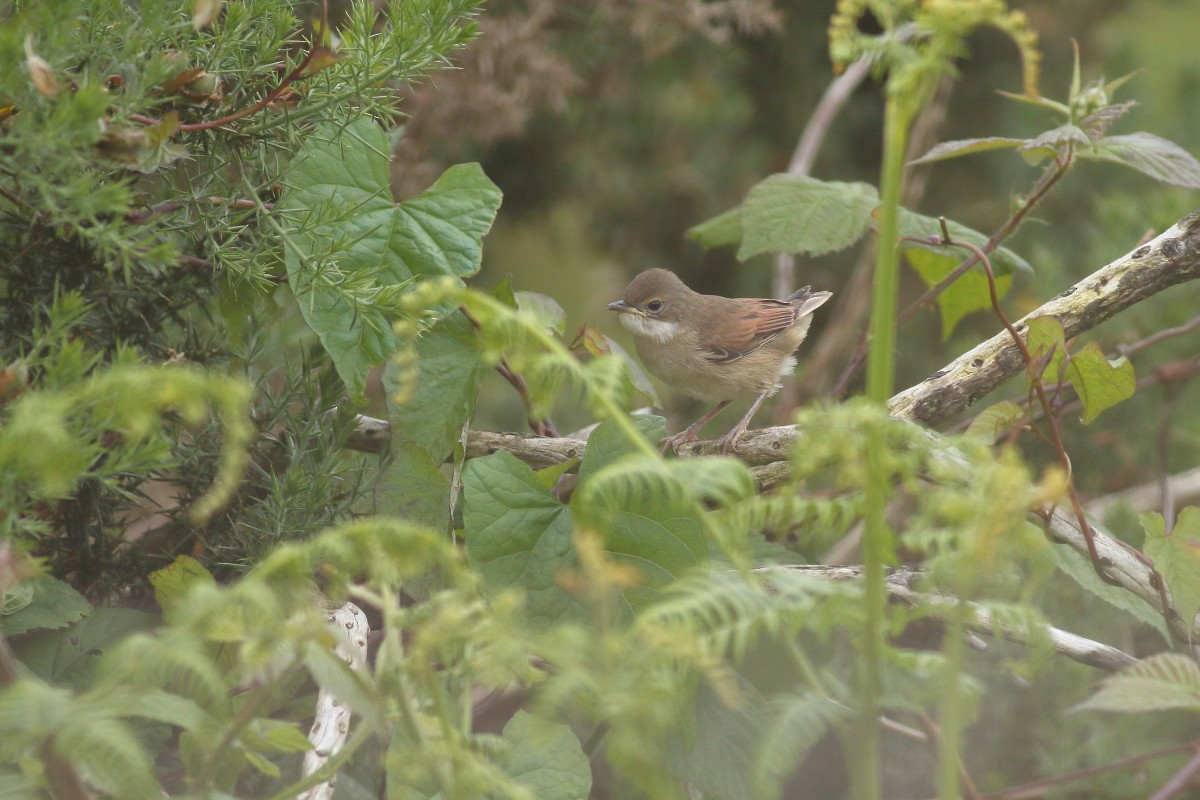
(656, 329)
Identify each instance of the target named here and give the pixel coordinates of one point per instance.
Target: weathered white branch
(331, 725)
(899, 586)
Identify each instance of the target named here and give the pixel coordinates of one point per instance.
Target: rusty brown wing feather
(755, 323)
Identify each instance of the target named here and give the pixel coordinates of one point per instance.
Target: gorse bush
(212, 588)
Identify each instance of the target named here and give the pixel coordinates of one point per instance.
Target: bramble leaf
(794, 214)
(1161, 682)
(50, 603)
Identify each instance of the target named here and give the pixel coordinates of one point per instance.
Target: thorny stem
(1055, 435)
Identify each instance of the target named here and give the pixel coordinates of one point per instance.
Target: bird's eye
(654, 305)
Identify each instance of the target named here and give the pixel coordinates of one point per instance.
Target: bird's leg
(690, 435)
(729, 441)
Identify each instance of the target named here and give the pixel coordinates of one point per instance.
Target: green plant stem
(948, 763)
(877, 543)
(330, 768)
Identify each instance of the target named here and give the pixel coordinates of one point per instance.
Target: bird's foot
(673, 443)
(728, 443)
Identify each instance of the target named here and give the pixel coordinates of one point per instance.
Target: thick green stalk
(877, 544)
(951, 707)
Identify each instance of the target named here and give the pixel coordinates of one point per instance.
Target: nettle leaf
(518, 534)
(962, 147)
(1151, 155)
(47, 603)
(1161, 682)
(995, 421)
(720, 230)
(546, 757)
(794, 214)
(968, 294)
(1048, 143)
(1176, 555)
(1079, 568)
(1100, 383)
(1003, 260)
(353, 245)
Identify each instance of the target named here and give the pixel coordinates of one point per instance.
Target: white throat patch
(654, 329)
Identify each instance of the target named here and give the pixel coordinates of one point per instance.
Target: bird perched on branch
(714, 348)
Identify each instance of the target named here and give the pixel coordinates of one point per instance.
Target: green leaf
(1100, 383)
(1161, 682)
(962, 147)
(544, 308)
(1045, 339)
(722, 229)
(1177, 557)
(995, 421)
(794, 214)
(1079, 568)
(637, 376)
(1003, 260)
(607, 442)
(968, 294)
(50, 604)
(1150, 155)
(172, 582)
(413, 487)
(69, 655)
(450, 370)
(1049, 143)
(548, 476)
(546, 757)
(353, 244)
(518, 535)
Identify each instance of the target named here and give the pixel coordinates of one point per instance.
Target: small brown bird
(714, 348)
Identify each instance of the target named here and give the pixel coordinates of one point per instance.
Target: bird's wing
(755, 323)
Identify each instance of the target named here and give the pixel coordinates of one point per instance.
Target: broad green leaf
(548, 476)
(349, 686)
(995, 421)
(518, 535)
(1079, 568)
(414, 488)
(51, 603)
(969, 293)
(69, 655)
(1151, 155)
(1003, 260)
(429, 424)
(544, 308)
(1100, 383)
(1045, 339)
(1161, 682)
(607, 442)
(353, 247)
(1177, 557)
(794, 214)
(962, 147)
(722, 229)
(450, 369)
(546, 757)
(172, 582)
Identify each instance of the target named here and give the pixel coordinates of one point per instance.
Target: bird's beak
(620, 305)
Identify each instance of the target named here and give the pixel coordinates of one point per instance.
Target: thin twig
(1180, 779)
(1036, 789)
